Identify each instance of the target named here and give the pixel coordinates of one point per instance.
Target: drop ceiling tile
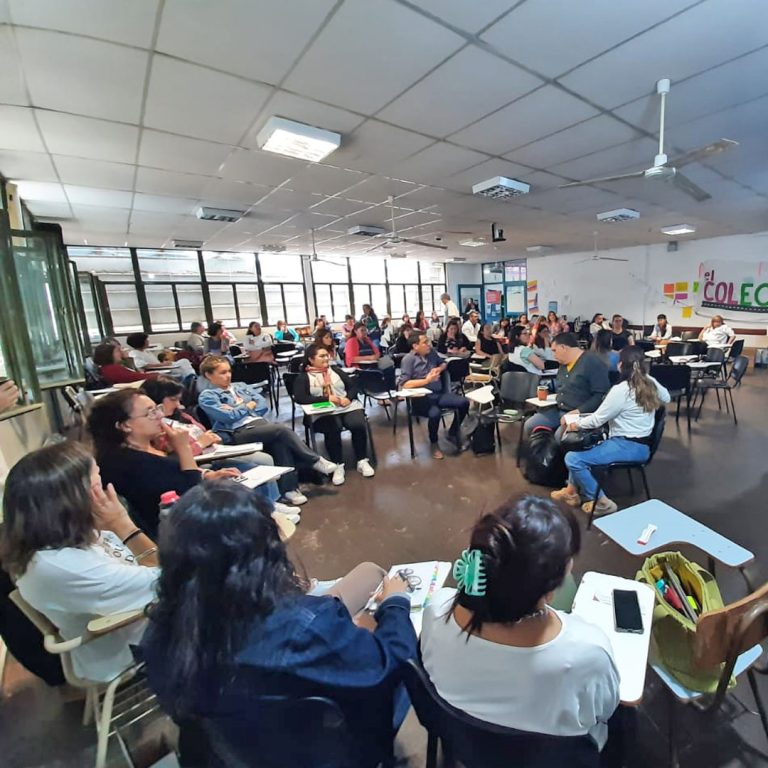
(633, 156)
(19, 130)
(466, 87)
(178, 153)
(437, 163)
(539, 114)
(164, 204)
(220, 193)
(376, 146)
(260, 167)
(195, 101)
(339, 206)
(285, 200)
(262, 39)
(41, 190)
(377, 189)
(75, 74)
(571, 200)
(12, 90)
(98, 219)
(304, 110)
(86, 137)
(156, 182)
(148, 223)
(103, 198)
(131, 22)
(325, 179)
(471, 17)
(94, 173)
(32, 166)
(584, 138)
(528, 34)
(706, 35)
(43, 210)
(356, 62)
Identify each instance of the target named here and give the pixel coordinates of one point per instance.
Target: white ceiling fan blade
(374, 247)
(687, 186)
(634, 175)
(609, 258)
(423, 244)
(704, 152)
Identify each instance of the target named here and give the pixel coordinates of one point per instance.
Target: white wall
(634, 288)
(459, 274)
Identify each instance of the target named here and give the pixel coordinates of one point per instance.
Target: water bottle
(167, 500)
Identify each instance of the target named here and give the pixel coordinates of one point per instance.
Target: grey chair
(516, 388)
(726, 386)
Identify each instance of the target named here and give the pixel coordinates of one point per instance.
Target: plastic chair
(605, 469)
(677, 380)
(256, 374)
(730, 636)
(373, 386)
(727, 386)
(478, 744)
(516, 387)
(280, 731)
(123, 701)
(688, 335)
(735, 351)
(679, 348)
(289, 379)
(458, 370)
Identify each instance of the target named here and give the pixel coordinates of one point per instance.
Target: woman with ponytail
(494, 648)
(629, 411)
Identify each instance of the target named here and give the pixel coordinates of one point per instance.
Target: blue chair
(478, 744)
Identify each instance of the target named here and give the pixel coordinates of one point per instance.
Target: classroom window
(168, 266)
(226, 266)
(162, 307)
(223, 303)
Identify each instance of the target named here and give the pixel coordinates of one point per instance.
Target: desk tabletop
(310, 410)
(674, 527)
(534, 401)
(548, 372)
(594, 603)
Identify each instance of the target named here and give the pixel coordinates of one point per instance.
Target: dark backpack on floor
(483, 439)
(543, 459)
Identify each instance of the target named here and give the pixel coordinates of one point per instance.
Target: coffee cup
(542, 392)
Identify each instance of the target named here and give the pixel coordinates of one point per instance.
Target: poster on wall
(533, 296)
(516, 300)
(726, 287)
(492, 297)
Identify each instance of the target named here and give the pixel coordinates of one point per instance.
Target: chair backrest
(202, 417)
(688, 335)
(93, 379)
(715, 355)
(283, 346)
(458, 370)
(372, 381)
(675, 378)
(736, 349)
(740, 365)
(735, 628)
(69, 393)
(251, 373)
(478, 744)
(517, 387)
(614, 377)
(678, 348)
(658, 430)
(289, 379)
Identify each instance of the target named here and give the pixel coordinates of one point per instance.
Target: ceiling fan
(596, 257)
(314, 258)
(666, 169)
(392, 240)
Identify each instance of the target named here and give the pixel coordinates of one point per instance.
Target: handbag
(673, 635)
(582, 439)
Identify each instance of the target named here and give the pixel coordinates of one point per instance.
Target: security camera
(497, 234)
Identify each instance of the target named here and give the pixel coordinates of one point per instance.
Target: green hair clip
(469, 572)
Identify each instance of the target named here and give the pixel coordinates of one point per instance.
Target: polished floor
(422, 509)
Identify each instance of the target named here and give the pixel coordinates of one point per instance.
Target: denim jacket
(224, 421)
(310, 647)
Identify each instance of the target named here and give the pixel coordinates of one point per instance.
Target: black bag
(582, 439)
(483, 438)
(543, 459)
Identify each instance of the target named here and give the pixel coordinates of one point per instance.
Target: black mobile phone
(626, 611)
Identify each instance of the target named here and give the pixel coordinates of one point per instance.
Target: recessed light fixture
(501, 188)
(539, 248)
(475, 242)
(286, 137)
(678, 229)
(619, 214)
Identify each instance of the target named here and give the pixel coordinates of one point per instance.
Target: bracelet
(131, 535)
(145, 553)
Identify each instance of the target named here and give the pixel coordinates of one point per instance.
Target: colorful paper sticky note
(681, 287)
(669, 288)
(695, 286)
(681, 297)
(687, 313)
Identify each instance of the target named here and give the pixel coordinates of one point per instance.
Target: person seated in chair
(195, 340)
(423, 367)
(258, 345)
(582, 381)
(324, 338)
(452, 341)
(620, 336)
(144, 360)
(285, 333)
(629, 411)
(234, 618)
(217, 342)
(602, 347)
(320, 383)
(717, 332)
(471, 328)
(486, 346)
(359, 347)
(75, 553)
(662, 331)
(236, 411)
(402, 344)
(109, 359)
(522, 353)
(495, 649)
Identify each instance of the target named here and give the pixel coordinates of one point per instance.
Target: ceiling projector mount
(663, 168)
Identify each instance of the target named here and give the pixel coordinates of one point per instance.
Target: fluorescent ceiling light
(678, 229)
(473, 243)
(539, 248)
(286, 137)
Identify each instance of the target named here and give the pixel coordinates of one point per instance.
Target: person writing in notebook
(423, 368)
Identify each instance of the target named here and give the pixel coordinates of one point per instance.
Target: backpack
(543, 459)
(483, 439)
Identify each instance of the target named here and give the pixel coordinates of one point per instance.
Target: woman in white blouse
(258, 345)
(629, 411)
(662, 331)
(717, 333)
(496, 650)
(322, 383)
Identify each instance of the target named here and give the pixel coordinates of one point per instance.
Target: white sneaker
(295, 497)
(365, 469)
(338, 475)
(292, 513)
(324, 466)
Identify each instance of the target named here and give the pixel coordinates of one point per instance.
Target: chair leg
(729, 393)
(719, 404)
(672, 736)
(645, 484)
(701, 403)
(631, 481)
(677, 412)
(758, 700)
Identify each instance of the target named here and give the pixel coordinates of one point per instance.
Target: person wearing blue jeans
(629, 409)
(422, 367)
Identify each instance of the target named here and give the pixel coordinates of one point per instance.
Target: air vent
(620, 214)
(475, 242)
(501, 188)
(194, 245)
(458, 259)
(272, 248)
(366, 231)
(219, 214)
(539, 249)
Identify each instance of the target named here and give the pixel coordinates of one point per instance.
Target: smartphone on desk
(626, 611)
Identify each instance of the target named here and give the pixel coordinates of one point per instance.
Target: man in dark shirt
(582, 382)
(621, 337)
(423, 367)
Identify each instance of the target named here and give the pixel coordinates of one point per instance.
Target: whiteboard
(516, 299)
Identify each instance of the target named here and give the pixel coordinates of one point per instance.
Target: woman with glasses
(452, 341)
(124, 426)
(521, 352)
(320, 383)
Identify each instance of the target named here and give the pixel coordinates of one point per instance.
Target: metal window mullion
(262, 291)
(141, 294)
(176, 305)
(207, 306)
(237, 305)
